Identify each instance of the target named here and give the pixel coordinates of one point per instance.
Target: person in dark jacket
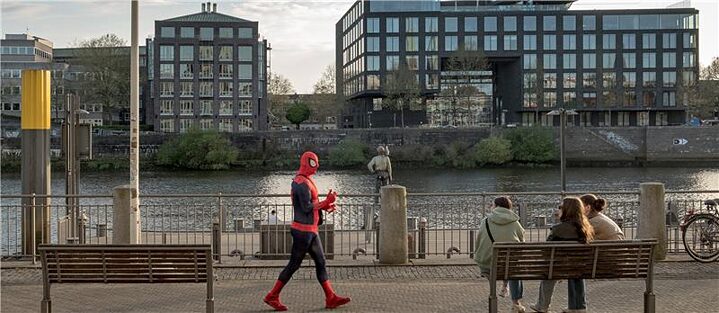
(307, 211)
(573, 226)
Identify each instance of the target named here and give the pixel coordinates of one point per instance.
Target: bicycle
(700, 232)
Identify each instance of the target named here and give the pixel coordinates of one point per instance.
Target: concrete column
(393, 232)
(125, 222)
(652, 222)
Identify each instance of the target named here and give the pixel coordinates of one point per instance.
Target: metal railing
(244, 226)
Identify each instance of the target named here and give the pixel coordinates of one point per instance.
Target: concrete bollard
(422, 240)
(652, 223)
(393, 233)
(125, 223)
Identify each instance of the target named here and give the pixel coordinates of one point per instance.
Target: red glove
(331, 208)
(328, 204)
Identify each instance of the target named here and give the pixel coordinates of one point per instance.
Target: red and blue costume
(305, 239)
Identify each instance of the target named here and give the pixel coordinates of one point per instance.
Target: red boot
(332, 300)
(273, 297)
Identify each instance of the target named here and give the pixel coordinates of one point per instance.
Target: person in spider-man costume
(307, 216)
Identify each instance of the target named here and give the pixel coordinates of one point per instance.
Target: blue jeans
(515, 289)
(576, 297)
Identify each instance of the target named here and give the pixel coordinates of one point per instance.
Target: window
(225, 125)
(688, 59)
(589, 22)
(470, 24)
(245, 107)
(669, 41)
(373, 63)
(225, 71)
(550, 23)
(205, 53)
(245, 33)
(629, 41)
(206, 33)
(186, 107)
(569, 22)
(392, 62)
(550, 80)
(510, 42)
(569, 42)
(569, 61)
(630, 60)
(471, 44)
(569, 97)
(649, 60)
(372, 44)
(630, 80)
(206, 89)
(589, 61)
(187, 71)
(392, 25)
(185, 124)
(245, 89)
(669, 79)
(589, 42)
(373, 82)
(585, 119)
(688, 78)
(187, 53)
(550, 99)
(167, 32)
(550, 61)
(649, 79)
(609, 80)
(205, 124)
(490, 43)
(225, 89)
(530, 23)
(690, 41)
(392, 44)
(225, 107)
(245, 53)
(167, 53)
(450, 24)
(669, 59)
(167, 89)
(167, 70)
(623, 118)
(167, 126)
(510, 23)
(166, 107)
(373, 25)
(431, 24)
(412, 43)
(412, 62)
(450, 43)
(609, 41)
(669, 99)
(661, 119)
(550, 42)
(186, 89)
(570, 80)
(225, 53)
(226, 32)
(649, 41)
(432, 81)
(411, 24)
(490, 24)
(530, 42)
(205, 71)
(430, 43)
(245, 71)
(245, 125)
(589, 99)
(609, 60)
(205, 107)
(432, 63)
(530, 61)
(187, 32)
(589, 80)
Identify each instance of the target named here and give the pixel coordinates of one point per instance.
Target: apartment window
(470, 43)
(669, 98)
(166, 107)
(669, 79)
(205, 53)
(630, 60)
(661, 119)
(245, 33)
(589, 22)
(392, 44)
(430, 43)
(226, 32)
(649, 98)
(225, 89)
(470, 24)
(550, 42)
(550, 99)
(205, 107)
(688, 78)
(187, 32)
(609, 80)
(373, 82)
(167, 32)
(585, 119)
(669, 59)
(432, 63)
(530, 23)
(490, 43)
(510, 24)
(205, 124)
(669, 41)
(205, 71)
(206, 33)
(245, 89)
(589, 80)
(569, 22)
(609, 41)
(225, 53)
(432, 81)
(550, 80)
(490, 24)
(206, 89)
(225, 125)
(244, 71)
(630, 80)
(589, 61)
(550, 23)
(392, 62)
(510, 42)
(186, 107)
(245, 53)
(186, 89)
(450, 43)
(649, 41)
(530, 61)
(623, 118)
(589, 99)
(226, 107)
(187, 71)
(245, 125)
(392, 25)
(411, 24)
(225, 71)
(412, 44)
(450, 24)
(167, 70)
(570, 80)
(649, 60)
(649, 79)
(373, 63)
(167, 126)
(412, 62)
(690, 41)
(187, 53)
(431, 24)
(569, 61)
(609, 60)
(550, 61)
(167, 53)
(589, 42)
(185, 124)
(167, 89)
(629, 41)
(373, 25)
(530, 42)
(688, 59)
(569, 42)
(245, 107)
(569, 97)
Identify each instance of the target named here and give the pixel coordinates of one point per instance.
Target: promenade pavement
(679, 286)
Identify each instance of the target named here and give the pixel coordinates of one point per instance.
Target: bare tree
(326, 102)
(401, 89)
(278, 88)
(326, 83)
(465, 65)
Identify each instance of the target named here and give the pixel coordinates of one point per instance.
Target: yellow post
(35, 124)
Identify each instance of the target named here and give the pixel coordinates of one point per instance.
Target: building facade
(208, 71)
(20, 52)
(615, 67)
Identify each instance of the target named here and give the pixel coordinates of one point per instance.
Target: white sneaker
(504, 291)
(535, 308)
(518, 308)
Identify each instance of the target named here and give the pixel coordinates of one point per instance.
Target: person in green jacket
(501, 225)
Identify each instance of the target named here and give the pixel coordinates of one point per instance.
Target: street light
(562, 124)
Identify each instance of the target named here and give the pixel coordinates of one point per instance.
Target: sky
(301, 32)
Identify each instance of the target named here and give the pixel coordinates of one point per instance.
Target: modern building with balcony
(614, 67)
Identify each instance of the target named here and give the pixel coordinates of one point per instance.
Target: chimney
(209, 7)
(203, 7)
(214, 7)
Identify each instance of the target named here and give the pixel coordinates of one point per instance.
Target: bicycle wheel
(701, 237)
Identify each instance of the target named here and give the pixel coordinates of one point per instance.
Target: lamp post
(562, 159)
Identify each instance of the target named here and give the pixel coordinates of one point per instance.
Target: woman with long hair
(604, 227)
(573, 226)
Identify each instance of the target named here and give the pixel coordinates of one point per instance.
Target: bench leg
(45, 306)
(210, 305)
(649, 302)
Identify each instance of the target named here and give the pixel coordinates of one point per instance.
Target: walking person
(604, 227)
(501, 225)
(304, 229)
(573, 226)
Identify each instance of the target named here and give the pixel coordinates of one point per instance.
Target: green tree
(298, 113)
(197, 149)
(348, 153)
(106, 63)
(532, 144)
(494, 150)
(401, 89)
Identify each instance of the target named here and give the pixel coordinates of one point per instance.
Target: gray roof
(207, 17)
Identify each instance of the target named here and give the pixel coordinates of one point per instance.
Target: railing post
(376, 242)
(221, 212)
(216, 241)
(471, 244)
(652, 220)
(34, 235)
(422, 241)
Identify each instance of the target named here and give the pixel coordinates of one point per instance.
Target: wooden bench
(627, 259)
(126, 264)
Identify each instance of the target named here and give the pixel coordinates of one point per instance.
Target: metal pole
(562, 161)
(134, 123)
